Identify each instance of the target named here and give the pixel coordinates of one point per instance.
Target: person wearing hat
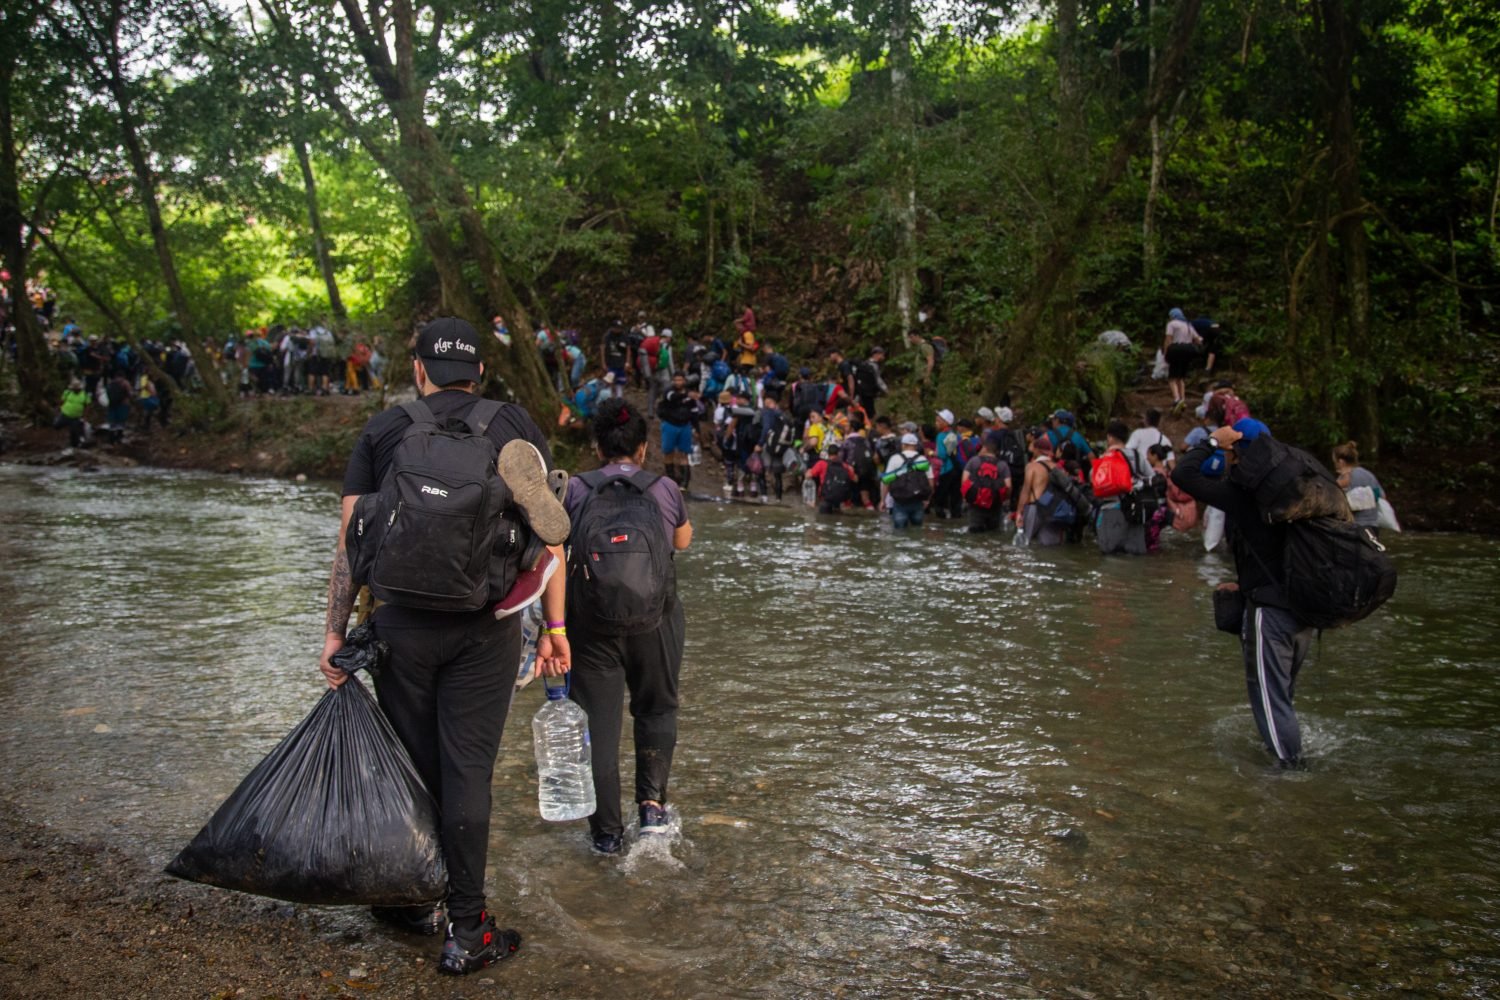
(1010, 448)
(1273, 643)
(1180, 345)
(444, 689)
(907, 503)
(1036, 526)
(946, 500)
(1063, 431)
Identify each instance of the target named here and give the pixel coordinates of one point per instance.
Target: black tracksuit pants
(447, 691)
(648, 665)
(1275, 645)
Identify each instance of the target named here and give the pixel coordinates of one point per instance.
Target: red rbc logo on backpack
(617, 539)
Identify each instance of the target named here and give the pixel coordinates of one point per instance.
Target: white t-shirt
(1141, 441)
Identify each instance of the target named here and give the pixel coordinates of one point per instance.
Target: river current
(918, 765)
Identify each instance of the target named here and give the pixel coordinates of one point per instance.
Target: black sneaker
(653, 820)
(525, 474)
(424, 918)
(607, 843)
(471, 951)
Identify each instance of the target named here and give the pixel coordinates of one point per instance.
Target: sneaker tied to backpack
(528, 586)
(525, 475)
(653, 819)
(469, 951)
(424, 918)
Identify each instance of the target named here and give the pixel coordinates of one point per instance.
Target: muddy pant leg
(652, 665)
(598, 687)
(1274, 647)
(447, 691)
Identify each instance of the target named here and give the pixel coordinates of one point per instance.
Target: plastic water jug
(564, 757)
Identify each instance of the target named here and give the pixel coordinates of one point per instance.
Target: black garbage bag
(362, 651)
(335, 814)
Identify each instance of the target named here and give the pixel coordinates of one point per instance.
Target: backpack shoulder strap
(419, 412)
(643, 480)
(482, 415)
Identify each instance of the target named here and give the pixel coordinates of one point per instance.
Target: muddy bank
(87, 920)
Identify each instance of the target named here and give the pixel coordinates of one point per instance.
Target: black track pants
(447, 691)
(1275, 646)
(648, 665)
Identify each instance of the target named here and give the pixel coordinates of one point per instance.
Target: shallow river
(909, 766)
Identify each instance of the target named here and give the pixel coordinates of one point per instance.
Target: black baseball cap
(449, 350)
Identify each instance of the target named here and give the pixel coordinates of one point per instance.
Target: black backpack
(782, 434)
(837, 486)
(620, 573)
(437, 534)
(1336, 572)
(911, 483)
(1288, 483)
(806, 397)
(860, 458)
(866, 379)
(1011, 451)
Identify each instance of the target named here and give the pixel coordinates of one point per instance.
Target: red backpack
(1111, 475)
(984, 489)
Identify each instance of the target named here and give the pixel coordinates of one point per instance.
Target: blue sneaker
(469, 951)
(607, 843)
(653, 820)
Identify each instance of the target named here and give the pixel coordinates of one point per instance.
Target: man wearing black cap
(447, 688)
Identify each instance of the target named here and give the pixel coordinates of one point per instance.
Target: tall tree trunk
(424, 169)
(320, 243)
(145, 178)
(903, 114)
(1070, 237)
(1153, 189)
(36, 378)
(1340, 23)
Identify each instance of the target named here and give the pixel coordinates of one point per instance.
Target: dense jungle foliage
(1321, 176)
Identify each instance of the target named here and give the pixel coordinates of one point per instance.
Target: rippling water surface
(920, 765)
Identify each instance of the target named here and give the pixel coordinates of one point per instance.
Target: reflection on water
(925, 764)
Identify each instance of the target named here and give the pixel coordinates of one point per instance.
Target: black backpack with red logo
(620, 573)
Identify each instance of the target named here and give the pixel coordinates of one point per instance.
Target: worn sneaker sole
(525, 474)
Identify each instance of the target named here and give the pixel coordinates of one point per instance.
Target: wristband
(554, 631)
(556, 624)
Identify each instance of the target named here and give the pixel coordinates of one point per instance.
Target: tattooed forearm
(340, 595)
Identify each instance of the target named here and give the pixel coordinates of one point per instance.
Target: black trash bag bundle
(362, 651)
(335, 814)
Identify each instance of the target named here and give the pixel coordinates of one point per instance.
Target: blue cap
(1064, 416)
(1249, 429)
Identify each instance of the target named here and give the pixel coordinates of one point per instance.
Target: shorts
(619, 374)
(676, 438)
(1180, 358)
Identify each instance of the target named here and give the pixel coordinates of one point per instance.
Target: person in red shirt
(836, 481)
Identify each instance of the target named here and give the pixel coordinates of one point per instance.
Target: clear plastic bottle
(564, 758)
(695, 457)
